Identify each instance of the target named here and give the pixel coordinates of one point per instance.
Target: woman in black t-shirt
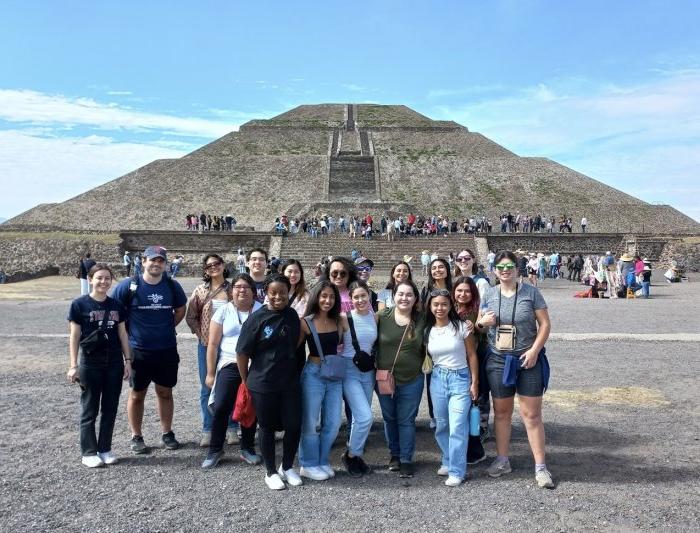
(97, 327)
(268, 341)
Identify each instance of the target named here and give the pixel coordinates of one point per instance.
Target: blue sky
(92, 90)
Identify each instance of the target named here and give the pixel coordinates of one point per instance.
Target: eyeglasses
(339, 274)
(241, 287)
(364, 269)
(505, 266)
(439, 292)
(216, 264)
(465, 258)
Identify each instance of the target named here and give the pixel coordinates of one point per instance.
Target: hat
(407, 258)
(647, 268)
(608, 253)
(361, 260)
(626, 257)
(155, 251)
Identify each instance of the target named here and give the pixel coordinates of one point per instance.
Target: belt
(315, 359)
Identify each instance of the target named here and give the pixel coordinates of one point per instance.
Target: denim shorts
(529, 381)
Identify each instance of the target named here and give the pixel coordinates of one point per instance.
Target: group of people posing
(303, 353)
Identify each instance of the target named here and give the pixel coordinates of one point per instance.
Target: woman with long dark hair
(454, 383)
(400, 351)
(321, 398)
(400, 272)
(466, 264)
(439, 277)
(516, 322)
(206, 299)
(465, 296)
(298, 294)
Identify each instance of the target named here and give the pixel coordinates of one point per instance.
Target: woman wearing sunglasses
(341, 272)
(515, 319)
(454, 383)
(206, 299)
(466, 265)
(400, 272)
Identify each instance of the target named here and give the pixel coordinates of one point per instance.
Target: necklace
(440, 330)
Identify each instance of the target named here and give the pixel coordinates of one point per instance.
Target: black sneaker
(351, 465)
(169, 441)
(394, 464)
(138, 446)
(406, 470)
(362, 466)
(475, 451)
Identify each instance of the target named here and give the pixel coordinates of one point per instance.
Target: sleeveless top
(329, 343)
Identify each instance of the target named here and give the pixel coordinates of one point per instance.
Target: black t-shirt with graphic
(270, 338)
(89, 313)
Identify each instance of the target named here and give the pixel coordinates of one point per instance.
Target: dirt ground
(621, 418)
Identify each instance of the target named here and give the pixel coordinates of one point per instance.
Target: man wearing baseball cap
(156, 304)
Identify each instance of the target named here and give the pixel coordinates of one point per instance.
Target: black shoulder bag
(96, 345)
(363, 361)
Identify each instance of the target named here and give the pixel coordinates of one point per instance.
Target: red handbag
(244, 410)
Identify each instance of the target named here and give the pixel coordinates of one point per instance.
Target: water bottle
(474, 421)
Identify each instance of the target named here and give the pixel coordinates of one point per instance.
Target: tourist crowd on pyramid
(367, 227)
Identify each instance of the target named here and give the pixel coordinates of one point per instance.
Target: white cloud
(35, 170)
(35, 108)
(119, 93)
(633, 137)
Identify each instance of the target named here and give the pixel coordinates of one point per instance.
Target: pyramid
(350, 159)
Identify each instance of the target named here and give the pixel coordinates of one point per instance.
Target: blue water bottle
(474, 421)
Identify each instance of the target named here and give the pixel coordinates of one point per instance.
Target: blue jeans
(553, 271)
(357, 390)
(205, 391)
(540, 273)
(645, 288)
(321, 399)
(451, 402)
(399, 413)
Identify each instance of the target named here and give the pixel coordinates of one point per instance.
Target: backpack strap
(355, 343)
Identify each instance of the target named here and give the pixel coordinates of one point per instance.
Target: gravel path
(621, 420)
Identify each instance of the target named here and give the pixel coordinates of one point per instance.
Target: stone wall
(686, 255)
(26, 257)
(563, 243)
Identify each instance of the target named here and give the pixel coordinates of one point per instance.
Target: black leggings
(276, 411)
(225, 390)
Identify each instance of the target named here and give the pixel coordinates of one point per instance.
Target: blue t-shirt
(151, 319)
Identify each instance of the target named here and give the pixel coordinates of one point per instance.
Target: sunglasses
(339, 274)
(439, 292)
(465, 259)
(209, 266)
(364, 269)
(505, 266)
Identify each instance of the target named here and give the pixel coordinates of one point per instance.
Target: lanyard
(515, 304)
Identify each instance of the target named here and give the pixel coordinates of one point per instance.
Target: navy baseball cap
(155, 251)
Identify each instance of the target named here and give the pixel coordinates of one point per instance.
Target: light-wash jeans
(205, 391)
(357, 391)
(451, 402)
(321, 399)
(399, 413)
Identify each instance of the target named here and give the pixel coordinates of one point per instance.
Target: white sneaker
(108, 458)
(328, 469)
(313, 472)
(290, 476)
(232, 436)
(453, 481)
(274, 482)
(443, 471)
(205, 441)
(92, 461)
